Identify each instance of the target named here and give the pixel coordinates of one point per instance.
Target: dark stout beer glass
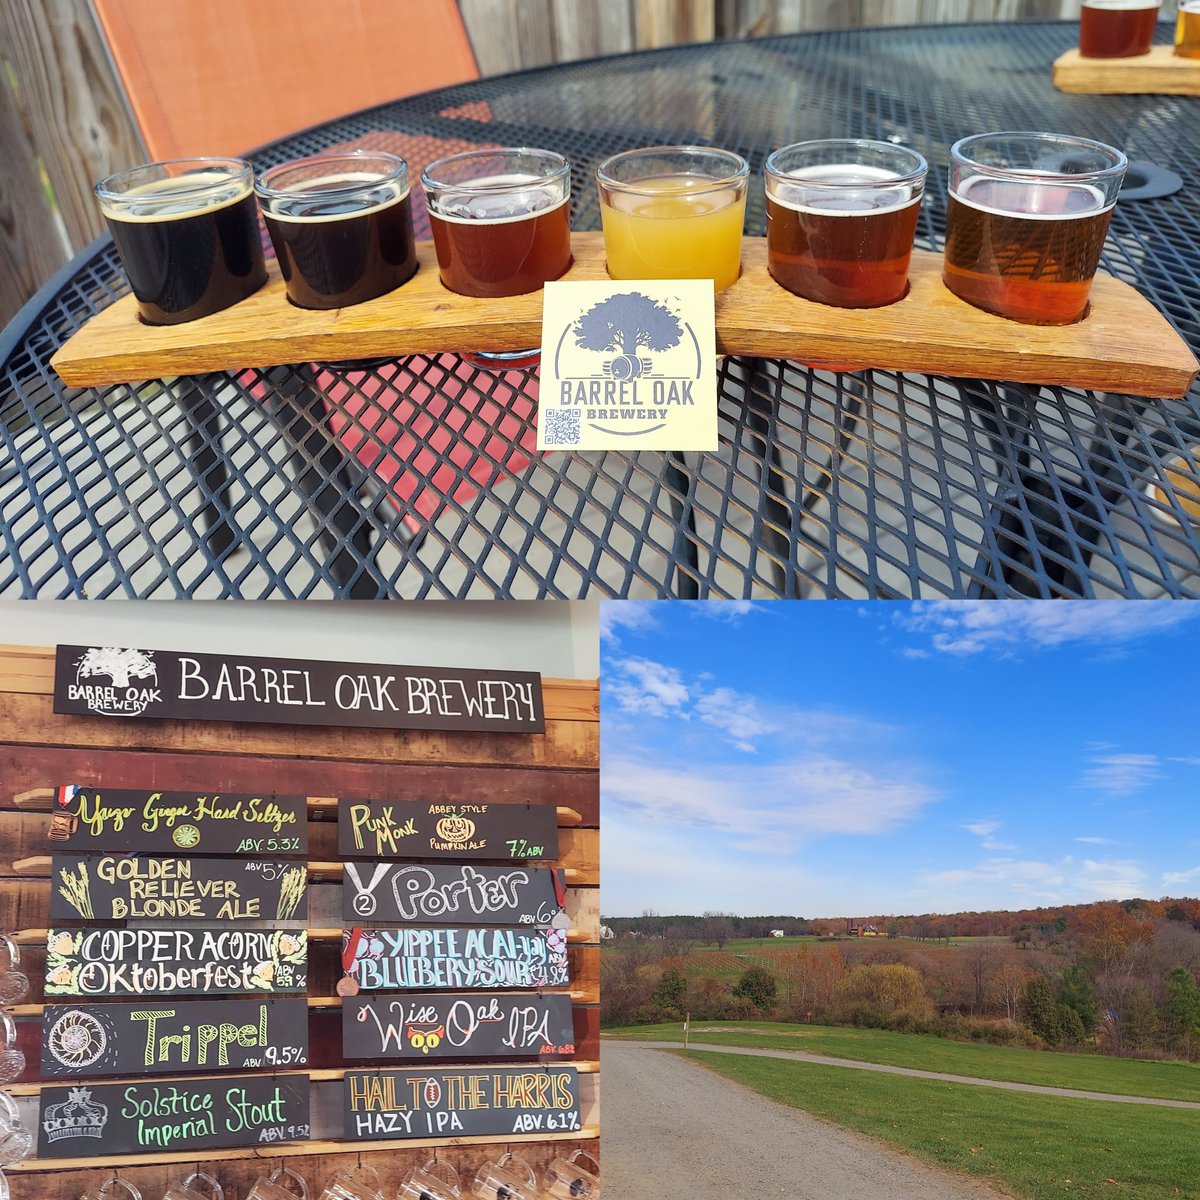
(1027, 217)
(187, 233)
(341, 225)
(841, 215)
(1117, 28)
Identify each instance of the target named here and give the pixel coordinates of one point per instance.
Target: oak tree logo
(628, 323)
(120, 695)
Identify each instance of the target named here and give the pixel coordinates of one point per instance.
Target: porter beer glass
(1117, 28)
(187, 233)
(1026, 220)
(841, 215)
(341, 225)
(673, 212)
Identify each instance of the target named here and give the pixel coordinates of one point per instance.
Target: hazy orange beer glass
(1026, 220)
(1117, 28)
(674, 212)
(1187, 29)
(841, 215)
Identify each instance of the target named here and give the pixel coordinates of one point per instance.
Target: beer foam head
(497, 199)
(175, 198)
(672, 196)
(333, 197)
(1121, 5)
(1033, 199)
(842, 189)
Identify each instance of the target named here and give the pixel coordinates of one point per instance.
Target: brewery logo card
(175, 962)
(164, 1038)
(81, 1121)
(423, 829)
(461, 1100)
(191, 822)
(473, 1025)
(628, 365)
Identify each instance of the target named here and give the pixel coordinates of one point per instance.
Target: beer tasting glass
(357, 1183)
(16, 1142)
(1117, 28)
(567, 1180)
(106, 1190)
(187, 1190)
(12, 1059)
(1026, 220)
(500, 219)
(14, 983)
(187, 233)
(508, 1178)
(433, 1181)
(674, 212)
(841, 216)
(282, 1184)
(1187, 29)
(341, 225)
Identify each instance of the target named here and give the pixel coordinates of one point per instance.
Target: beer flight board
(1124, 344)
(471, 914)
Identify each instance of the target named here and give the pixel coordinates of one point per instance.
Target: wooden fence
(64, 122)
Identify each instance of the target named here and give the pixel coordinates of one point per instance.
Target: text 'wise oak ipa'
(1117, 28)
(187, 234)
(673, 213)
(841, 232)
(500, 220)
(342, 227)
(1187, 29)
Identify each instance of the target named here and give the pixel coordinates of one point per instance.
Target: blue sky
(836, 758)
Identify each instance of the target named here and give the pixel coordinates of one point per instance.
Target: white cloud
(1122, 774)
(729, 611)
(633, 615)
(1097, 841)
(980, 828)
(737, 715)
(1170, 878)
(967, 627)
(1012, 883)
(647, 688)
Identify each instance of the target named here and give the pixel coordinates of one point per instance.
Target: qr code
(563, 426)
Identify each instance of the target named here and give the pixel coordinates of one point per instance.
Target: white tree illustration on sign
(119, 664)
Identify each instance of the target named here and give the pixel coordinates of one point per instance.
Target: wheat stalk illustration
(77, 891)
(291, 892)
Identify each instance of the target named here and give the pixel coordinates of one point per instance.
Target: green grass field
(1034, 1146)
(1088, 1072)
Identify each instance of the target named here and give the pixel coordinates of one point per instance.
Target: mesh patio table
(417, 476)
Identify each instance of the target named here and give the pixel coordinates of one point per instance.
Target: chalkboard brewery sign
(175, 962)
(440, 958)
(395, 892)
(465, 1101)
(175, 1114)
(474, 1025)
(113, 681)
(99, 887)
(420, 829)
(87, 818)
(166, 1038)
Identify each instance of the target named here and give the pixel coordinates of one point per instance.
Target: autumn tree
(759, 986)
(717, 929)
(884, 994)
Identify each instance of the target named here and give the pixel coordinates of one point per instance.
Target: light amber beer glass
(674, 212)
(1117, 28)
(1187, 29)
(841, 215)
(188, 235)
(341, 225)
(1026, 220)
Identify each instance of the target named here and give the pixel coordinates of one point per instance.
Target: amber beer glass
(1187, 29)
(500, 219)
(1117, 28)
(187, 233)
(1026, 220)
(841, 215)
(341, 225)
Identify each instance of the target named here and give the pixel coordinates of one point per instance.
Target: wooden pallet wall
(40, 750)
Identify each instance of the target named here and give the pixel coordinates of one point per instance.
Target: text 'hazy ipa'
(1027, 251)
(501, 242)
(1117, 28)
(188, 252)
(676, 227)
(343, 238)
(840, 246)
(1187, 29)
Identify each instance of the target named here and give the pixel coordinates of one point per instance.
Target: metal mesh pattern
(417, 477)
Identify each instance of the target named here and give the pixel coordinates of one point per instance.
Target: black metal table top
(417, 477)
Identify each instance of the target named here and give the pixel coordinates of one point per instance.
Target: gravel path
(674, 1131)
(855, 1065)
